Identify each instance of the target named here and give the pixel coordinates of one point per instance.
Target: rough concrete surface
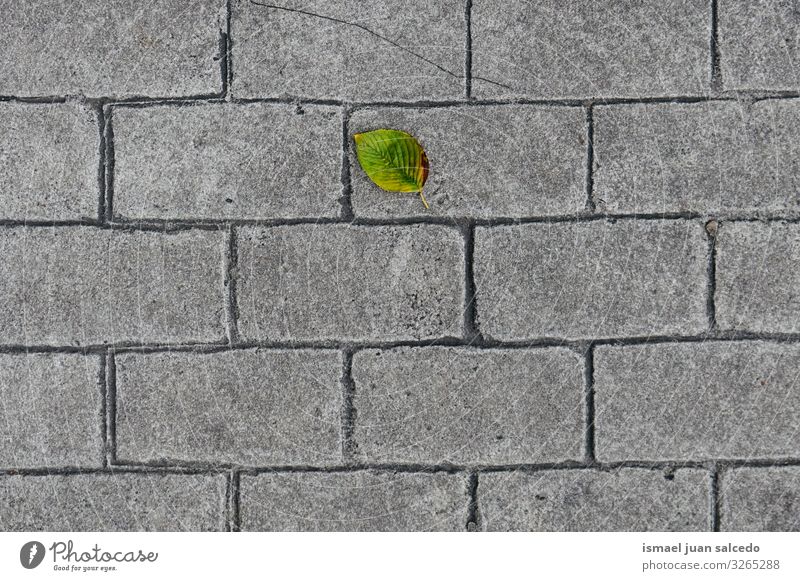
(49, 159)
(111, 48)
(468, 406)
(52, 410)
(217, 161)
(360, 501)
(697, 401)
(210, 319)
(389, 50)
(354, 283)
(243, 407)
(760, 500)
(711, 157)
(626, 499)
(589, 48)
(78, 286)
(758, 277)
(760, 44)
(594, 279)
(119, 501)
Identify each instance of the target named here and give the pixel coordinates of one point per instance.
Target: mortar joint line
(108, 166)
(468, 50)
(110, 407)
(715, 497)
(472, 331)
(101, 165)
(232, 502)
(473, 511)
(103, 383)
(715, 77)
(226, 62)
(590, 416)
(712, 230)
(349, 444)
(231, 265)
(346, 199)
(213, 468)
(590, 205)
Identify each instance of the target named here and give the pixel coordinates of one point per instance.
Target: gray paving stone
(340, 282)
(758, 277)
(760, 499)
(86, 286)
(715, 157)
(438, 405)
(51, 413)
(759, 44)
(628, 499)
(349, 49)
(696, 401)
(113, 502)
(227, 161)
(507, 161)
(591, 279)
(590, 48)
(50, 162)
(237, 407)
(110, 48)
(353, 501)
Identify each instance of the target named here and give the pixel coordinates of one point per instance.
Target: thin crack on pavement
(375, 34)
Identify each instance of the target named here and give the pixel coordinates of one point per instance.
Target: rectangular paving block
(113, 502)
(349, 49)
(758, 277)
(760, 499)
(697, 401)
(51, 413)
(110, 48)
(88, 286)
(698, 157)
(459, 405)
(627, 499)
(339, 282)
(759, 44)
(49, 168)
(493, 161)
(236, 407)
(590, 48)
(254, 161)
(591, 279)
(353, 501)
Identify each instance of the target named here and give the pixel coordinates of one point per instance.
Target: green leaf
(393, 159)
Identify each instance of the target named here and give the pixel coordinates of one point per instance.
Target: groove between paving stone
(579, 345)
(210, 468)
(171, 226)
(752, 96)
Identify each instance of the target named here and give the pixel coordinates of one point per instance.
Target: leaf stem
(424, 201)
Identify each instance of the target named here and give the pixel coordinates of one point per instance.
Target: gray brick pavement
(209, 319)
(119, 501)
(593, 279)
(760, 500)
(107, 48)
(358, 501)
(50, 160)
(696, 401)
(586, 500)
(243, 407)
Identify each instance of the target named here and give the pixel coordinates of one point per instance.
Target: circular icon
(31, 554)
